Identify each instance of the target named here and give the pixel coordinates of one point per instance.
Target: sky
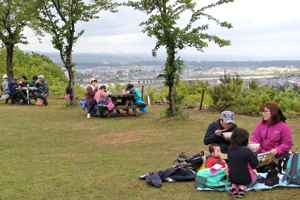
(260, 28)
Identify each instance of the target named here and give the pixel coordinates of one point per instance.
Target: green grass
(54, 152)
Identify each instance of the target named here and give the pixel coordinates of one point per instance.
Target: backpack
(272, 177)
(205, 179)
(292, 173)
(282, 163)
(193, 162)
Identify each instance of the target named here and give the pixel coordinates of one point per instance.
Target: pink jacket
(277, 136)
(100, 95)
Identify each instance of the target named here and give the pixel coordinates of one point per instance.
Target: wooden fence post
(142, 92)
(203, 91)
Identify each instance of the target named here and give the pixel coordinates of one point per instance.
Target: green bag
(204, 179)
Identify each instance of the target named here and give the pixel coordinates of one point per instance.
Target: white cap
(41, 76)
(5, 76)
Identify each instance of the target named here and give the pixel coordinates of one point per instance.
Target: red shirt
(211, 161)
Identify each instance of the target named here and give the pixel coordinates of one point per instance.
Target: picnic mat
(259, 186)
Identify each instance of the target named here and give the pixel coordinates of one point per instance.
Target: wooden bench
(31, 92)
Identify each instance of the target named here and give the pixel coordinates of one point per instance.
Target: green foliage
(35, 64)
(162, 24)
(169, 114)
(59, 18)
(151, 92)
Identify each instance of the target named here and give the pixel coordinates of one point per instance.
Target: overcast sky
(260, 28)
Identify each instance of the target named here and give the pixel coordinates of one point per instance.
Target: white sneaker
(88, 115)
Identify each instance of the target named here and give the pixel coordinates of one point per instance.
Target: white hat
(41, 76)
(5, 76)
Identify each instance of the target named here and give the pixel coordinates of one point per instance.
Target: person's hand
(96, 86)
(227, 138)
(255, 149)
(274, 152)
(20, 82)
(18, 87)
(109, 91)
(42, 94)
(218, 132)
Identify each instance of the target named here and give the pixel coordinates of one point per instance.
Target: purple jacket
(277, 136)
(90, 94)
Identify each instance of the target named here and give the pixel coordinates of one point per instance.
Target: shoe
(233, 191)
(241, 192)
(17, 104)
(88, 115)
(126, 114)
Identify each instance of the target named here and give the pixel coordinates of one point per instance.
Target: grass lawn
(54, 152)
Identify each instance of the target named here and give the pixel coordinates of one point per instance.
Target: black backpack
(193, 162)
(272, 177)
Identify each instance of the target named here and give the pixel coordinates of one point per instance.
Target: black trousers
(92, 105)
(18, 95)
(266, 168)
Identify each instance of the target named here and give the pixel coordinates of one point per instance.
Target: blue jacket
(210, 136)
(12, 87)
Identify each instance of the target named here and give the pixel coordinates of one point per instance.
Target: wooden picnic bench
(119, 105)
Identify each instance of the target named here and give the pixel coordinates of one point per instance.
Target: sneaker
(88, 115)
(126, 114)
(241, 193)
(17, 104)
(233, 191)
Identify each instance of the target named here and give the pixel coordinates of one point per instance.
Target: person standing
(4, 87)
(43, 90)
(91, 91)
(215, 129)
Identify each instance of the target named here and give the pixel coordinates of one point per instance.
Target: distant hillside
(201, 61)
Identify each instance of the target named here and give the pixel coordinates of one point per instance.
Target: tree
(59, 17)
(15, 15)
(162, 24)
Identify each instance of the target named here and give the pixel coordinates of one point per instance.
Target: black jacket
(177, 174)
(210, 136)
(24, 84)
(238, 159)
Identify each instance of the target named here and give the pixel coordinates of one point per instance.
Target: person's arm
(2, 86)
(210, 136)
(46, 88)
(90, 91)
(256, 138)
(252, 158)
(286, 141)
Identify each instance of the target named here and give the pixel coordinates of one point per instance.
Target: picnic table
(119, 105)
(30, 94)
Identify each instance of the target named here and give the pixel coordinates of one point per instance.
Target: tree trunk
(172, 98)
(9, 59)
(72, 84)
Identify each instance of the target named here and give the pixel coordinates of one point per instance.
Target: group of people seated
(96, 94)
(272, 133)
(13, 89)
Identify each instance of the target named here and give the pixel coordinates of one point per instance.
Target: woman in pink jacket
(272, 133)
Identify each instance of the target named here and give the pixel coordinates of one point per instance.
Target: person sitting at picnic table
(215, 129)
(132, 90)
(273, 135)
(4, 86)
(34, 82)
(24, 82)
(91, 91)
(43, 90)
(101, 93)
(15, 92)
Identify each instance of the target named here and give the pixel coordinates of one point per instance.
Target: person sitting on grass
(215, 152)
(43, 90)
(91, 91)
(241, 162)
(215, 129)
(138, 97)
(15, 92)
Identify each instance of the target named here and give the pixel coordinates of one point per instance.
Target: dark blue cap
(129, 86)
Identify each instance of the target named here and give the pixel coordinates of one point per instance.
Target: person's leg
(266, 168)
(127, 110)
(16, 95)
(92, 105)
(45, 99)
